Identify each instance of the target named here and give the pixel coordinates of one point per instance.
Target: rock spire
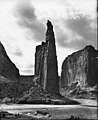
(46, 67)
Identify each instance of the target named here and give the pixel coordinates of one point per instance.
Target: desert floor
(87, 110)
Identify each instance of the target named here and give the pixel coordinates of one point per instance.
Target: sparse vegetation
(13, 90)
(74, 118)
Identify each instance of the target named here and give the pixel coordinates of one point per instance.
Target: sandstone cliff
(46, 62)
(80, 67)
(9, 76)
(7, 67)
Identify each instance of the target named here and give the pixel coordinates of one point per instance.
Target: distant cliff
(80, 67)
(7, 67)
(11, 84)
(46, 62)
(26, 78)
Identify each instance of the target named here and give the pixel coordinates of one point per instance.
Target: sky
(23, 27)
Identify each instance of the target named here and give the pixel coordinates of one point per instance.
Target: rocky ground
(87, 110)
(53, 114)
(24, 117)
(78, 92)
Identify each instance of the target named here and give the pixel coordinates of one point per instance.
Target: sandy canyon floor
(87, 109)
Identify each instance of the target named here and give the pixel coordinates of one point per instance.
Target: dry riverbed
(86, 110)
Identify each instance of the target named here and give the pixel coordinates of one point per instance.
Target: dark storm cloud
(80, 26)
(63, 39)
(27, 19)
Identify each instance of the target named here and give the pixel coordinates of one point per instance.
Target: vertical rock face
(46, 62)
(7, 68)
(81, 67)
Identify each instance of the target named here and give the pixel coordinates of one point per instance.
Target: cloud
(14, 50)
(81, 32)
(18, 52)
(27, 19)
(30, 66)
(82, 26)
(63, 40)
(27, 71)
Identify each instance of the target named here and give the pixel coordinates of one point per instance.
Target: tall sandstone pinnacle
(81, 67)
(7, 67)
(46, 62)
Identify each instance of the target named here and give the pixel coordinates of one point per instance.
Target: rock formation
(26, 78)
(46, 62)
(80, 68)
(7, 67)
(12, 85)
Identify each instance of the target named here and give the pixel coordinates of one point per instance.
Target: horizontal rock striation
(80, 67)
(7, 67)
(46, 62)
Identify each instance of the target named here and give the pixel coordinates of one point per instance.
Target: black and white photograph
(48, 60)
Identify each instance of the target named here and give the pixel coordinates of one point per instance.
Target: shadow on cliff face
(79, 76)
(46, 67)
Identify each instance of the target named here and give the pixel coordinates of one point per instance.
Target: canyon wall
(81, 68)
(7, 67)
(46, 62)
